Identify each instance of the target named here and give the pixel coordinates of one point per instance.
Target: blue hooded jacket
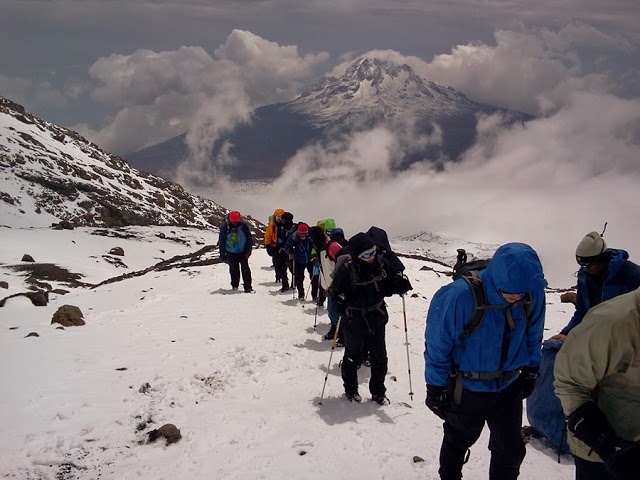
(515, 268)
(622, 277)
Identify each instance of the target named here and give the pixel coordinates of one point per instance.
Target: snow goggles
(367, 254)
(586, 262)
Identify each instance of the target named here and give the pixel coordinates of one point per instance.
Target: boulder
(68, 316)
(168, 431)
(117, 251)
(568, 297)
(39, 298)
(4, 284)
(27, 258)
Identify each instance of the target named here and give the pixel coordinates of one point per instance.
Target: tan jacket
(600, 361)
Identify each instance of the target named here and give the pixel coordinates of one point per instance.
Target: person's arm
(340, 289)
(289, 247)
(581, 309)
(440, 337)
(535, 330)
(248, 244)
(222, 242)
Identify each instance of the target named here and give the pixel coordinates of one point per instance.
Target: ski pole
(333, 347)
(315, 319)
(307, 292)
(293, 269)
(406, 338)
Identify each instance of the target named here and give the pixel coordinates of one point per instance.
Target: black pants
(280, 264)
(586, 470)
(359, 330)
(502, 411)
(298, 270)
(239, 262)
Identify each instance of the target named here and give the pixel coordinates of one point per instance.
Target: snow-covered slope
(50, 174)
(239, 374)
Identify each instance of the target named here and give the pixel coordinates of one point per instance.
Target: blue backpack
(544, 409)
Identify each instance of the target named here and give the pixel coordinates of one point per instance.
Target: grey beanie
(591, 245)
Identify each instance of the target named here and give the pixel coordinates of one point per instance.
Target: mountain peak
(382, 87)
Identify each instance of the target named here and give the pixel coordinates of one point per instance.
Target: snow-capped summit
(51, 174)
(381, 88)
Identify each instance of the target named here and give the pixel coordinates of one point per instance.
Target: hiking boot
(380, 399)
(234, 288)
(353, 396)
(339, 343)
(301, 297)
(329, 335)
(284, 289)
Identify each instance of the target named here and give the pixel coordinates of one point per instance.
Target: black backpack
(469, 272)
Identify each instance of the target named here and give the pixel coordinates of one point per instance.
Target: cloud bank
(163, 94)
(547, 183)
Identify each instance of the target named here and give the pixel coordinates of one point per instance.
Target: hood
(516, 268)
(278, 212)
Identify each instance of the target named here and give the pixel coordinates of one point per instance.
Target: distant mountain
(371, 92)
(51, 174)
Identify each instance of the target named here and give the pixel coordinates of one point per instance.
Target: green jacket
(600, 361)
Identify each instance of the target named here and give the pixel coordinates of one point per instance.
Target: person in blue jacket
(234, 243)
(483, 376)
(604, 274)
(299, 247)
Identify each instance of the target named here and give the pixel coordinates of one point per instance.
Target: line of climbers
(484, 343)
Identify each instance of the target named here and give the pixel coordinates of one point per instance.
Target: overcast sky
(131, 73)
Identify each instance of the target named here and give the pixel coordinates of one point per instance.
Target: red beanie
(234, 217)
(303, 228)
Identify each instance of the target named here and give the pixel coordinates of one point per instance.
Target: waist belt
(459, 375)
(377, 306)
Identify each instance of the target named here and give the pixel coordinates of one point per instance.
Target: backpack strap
(480, 306)
(355, 280)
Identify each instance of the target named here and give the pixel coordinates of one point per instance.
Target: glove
(625, 463)
(401, 284)
(589, 424)
(438, 401)
(340, 304)
(270, 250)
(528, 377)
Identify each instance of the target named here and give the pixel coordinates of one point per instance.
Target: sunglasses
(368, 255)
(586, 262)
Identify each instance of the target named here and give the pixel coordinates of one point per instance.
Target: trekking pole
(293, 280)
(307, 292)
(315, 319)
(333, 347)
(406, 337)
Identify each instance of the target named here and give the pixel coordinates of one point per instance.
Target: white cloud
(547, 183)
(162, 94)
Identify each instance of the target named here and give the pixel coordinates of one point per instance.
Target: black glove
(528, 377)
(589, 424)
(270, 250)
(340, 304)
(438, 401)
(401, 284)
(625, 463)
